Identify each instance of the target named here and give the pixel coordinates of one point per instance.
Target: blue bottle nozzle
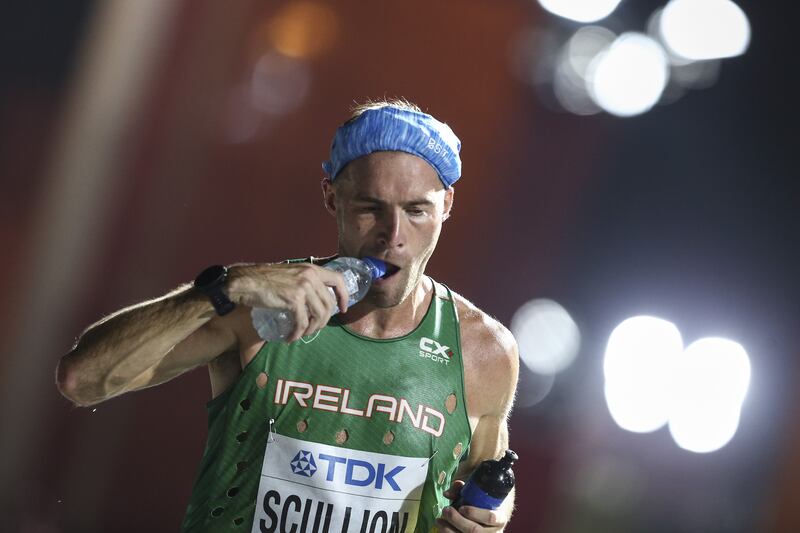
(377, 268)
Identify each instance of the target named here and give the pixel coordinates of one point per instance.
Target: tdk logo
(303, 464)
(353, 472)
(430, 349)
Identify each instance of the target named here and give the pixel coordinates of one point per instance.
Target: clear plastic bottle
(277, 324)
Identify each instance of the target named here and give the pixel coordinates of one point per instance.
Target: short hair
(400, 103)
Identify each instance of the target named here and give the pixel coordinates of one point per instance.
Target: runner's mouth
(391, 270)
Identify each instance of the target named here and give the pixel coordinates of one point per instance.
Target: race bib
(307, 487)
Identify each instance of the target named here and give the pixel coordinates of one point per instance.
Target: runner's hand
(301, 289)
(467, 519)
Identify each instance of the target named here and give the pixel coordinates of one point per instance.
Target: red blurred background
(141, 141)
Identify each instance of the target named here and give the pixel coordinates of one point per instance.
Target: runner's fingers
(327, 299)
(300, 311)
(311, 301)
(318, 313)
(461, 522)
(335, 280)
(454, 490)
(312, 305)
(487, 517)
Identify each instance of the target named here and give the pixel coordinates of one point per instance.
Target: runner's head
(395, 125)
(389, 184)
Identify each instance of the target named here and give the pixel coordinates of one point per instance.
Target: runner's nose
(390, 234)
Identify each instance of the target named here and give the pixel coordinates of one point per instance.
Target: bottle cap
(508, 459)
(377, 268)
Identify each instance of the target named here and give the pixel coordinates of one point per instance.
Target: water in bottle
(489, 484)
(277, 324)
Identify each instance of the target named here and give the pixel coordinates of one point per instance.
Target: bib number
(307, 487)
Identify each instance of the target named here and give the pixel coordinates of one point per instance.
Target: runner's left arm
(467, 517)
(489, 441)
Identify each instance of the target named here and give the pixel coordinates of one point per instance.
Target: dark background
(128, 162)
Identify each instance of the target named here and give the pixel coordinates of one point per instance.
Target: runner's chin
(390, 291)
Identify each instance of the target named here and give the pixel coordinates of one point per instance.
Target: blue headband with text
(390, 128)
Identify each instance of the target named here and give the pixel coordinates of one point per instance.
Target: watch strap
(211, 283)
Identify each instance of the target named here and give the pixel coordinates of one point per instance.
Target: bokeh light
(580, 10)
(704, 428)
(650, 380)
(547, 335)
(712, 379)
(628, 78)
(584, 45)
(302, 29)
(638, 369)
(696, 74)
(279, 83)
(704, 29)
(569, 81)
(532, 387)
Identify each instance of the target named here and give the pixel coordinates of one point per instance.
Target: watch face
(210, 277)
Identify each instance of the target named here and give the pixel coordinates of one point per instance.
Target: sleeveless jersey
(338, 432)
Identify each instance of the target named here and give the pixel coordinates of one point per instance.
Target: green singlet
(338, 432)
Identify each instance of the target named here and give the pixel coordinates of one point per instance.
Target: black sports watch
(211, 282)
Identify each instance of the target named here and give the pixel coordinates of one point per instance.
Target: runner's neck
(390, 322)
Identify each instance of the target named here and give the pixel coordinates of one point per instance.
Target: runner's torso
(364, 434)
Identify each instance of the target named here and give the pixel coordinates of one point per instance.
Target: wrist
(240, 282)
(211, 282)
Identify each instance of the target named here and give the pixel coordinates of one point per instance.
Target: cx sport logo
(348, 471)
(438, 353)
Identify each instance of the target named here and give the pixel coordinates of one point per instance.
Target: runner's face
(389, 205)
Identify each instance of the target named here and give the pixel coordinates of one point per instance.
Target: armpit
(223, 371)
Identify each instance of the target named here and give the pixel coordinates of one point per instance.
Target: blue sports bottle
(489, 484)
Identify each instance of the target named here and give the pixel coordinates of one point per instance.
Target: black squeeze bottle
(489, 484)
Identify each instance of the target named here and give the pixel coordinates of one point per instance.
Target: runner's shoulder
(486, 340)
(491, 360)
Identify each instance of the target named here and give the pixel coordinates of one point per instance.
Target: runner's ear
(329, 195)
(449, 196)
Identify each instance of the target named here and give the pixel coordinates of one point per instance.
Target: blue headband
(393, 129)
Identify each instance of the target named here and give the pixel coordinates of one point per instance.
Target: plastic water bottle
(489, 484)
(277, 324)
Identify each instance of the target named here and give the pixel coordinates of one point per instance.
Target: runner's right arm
(154, 341)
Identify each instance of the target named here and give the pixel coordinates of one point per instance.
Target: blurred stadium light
(301, 30)
(583, 72)
(628, 78)
(281, 50)
(651, 381)
(547, 335)
(279, 83)
(638, 364)
(569, 83)
(549, 341)
(581, 10)
(704, 29)
(712, 378)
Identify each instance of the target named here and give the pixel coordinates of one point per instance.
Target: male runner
(366, 421)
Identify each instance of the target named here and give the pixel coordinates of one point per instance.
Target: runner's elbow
(71, 385)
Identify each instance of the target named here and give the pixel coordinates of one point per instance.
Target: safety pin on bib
(428, 460)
